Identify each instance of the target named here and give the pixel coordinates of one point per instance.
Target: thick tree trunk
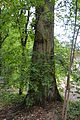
(43, 83)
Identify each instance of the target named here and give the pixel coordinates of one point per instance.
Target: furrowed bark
(43, 53)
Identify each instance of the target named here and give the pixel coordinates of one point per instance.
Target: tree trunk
(20, 91)
(22, 70)
(0, 50)
(0, 55)
(43, 83)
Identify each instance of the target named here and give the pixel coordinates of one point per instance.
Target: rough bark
(43, 53)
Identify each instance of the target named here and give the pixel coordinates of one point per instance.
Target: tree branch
(5, 36)
(26, 28)
(18, 20)
(75, 41)
(23, 42)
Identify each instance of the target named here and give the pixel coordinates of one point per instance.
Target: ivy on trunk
(43, 82)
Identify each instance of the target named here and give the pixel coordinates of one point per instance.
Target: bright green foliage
(13, 60)
(14, 70)
(61, 59)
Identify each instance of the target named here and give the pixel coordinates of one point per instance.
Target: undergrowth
(14, 98)
(10, 98)
(74, 110)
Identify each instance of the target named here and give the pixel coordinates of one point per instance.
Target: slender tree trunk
(20, 91)
(0, 50)
(43, 83)
(22, 70)
(23, 43)
(0, 55)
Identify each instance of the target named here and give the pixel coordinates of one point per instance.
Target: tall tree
(43, 82)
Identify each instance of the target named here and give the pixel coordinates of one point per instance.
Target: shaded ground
(51, 112)
(11, 108)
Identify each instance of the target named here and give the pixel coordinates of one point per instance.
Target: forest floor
(51, 111)
(19, 112)
(12, 109)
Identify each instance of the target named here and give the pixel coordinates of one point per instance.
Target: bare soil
(51, 111)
